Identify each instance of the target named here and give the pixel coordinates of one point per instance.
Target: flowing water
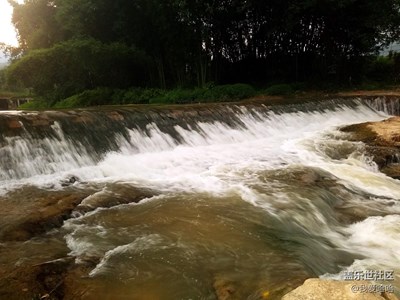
(252, 207)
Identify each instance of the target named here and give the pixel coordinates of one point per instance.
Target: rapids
(256, 201)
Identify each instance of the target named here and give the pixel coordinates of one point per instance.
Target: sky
(7, 32)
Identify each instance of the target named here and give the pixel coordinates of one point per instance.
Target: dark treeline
(67, 46)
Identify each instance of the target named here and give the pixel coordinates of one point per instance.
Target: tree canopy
(169, 43)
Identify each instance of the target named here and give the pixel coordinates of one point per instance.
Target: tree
(36, 25)
(186, 43)
(85, 64)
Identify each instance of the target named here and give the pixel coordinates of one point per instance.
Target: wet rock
(42, 281)
(383, 143)
(392, 170)
(317, 289)
(70, 180)
(46, 211)
(53, 280)
(224, 289)
(38, 120)
(310, 177)
(14, 124)
(115, 116)
(114, 194)
(83, 118)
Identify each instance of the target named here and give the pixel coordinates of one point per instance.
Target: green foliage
(136, 96)
(369, 86)
(70, 46)
(99, 96)
(180, 96)
(221, 93)
(279, 90)
(76, 65)
(229, 92)
(381, 69)
(36, 104)
(104, 96)
(36, 24)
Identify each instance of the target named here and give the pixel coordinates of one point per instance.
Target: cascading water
(390, 106)
(248, 197)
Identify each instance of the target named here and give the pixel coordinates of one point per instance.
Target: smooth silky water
(256, 208)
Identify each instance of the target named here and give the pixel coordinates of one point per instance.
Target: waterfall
(50, 142)
(388, 105)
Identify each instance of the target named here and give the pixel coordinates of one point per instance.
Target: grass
(35, 104)
(106, 96)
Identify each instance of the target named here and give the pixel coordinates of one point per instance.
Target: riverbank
(229, 94)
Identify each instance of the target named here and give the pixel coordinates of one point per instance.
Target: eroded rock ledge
(382, 141)
(318, 289)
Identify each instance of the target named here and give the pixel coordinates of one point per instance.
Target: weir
(33, 143)
(189, 202)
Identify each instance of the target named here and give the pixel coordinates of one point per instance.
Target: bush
(99, 96)
(279, 90)
(230, 92)
(381, 69)
(37, 104)
(137, 96)
(181, 96)
(104, 96)
(74, 66)
(221, 93)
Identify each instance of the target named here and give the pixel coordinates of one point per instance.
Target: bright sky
(7, 32)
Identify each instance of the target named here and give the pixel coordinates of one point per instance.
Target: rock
(392, 170)
(117, 194)
(310, 177)
(56, 279)
(318, 289)
(70, 180)
(115, 116)
(43, 213)
(224, 289)
(14, 124)
(34, 282)
(382, 141)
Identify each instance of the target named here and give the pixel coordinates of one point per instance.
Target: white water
(219, 160)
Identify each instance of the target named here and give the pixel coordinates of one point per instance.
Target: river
(249, 206)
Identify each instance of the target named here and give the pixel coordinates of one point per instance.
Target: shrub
(37, 104)
(103, 96)
(99, 96)
(76, 65)
(178, 96)
(221, 93)
(279, 89)
(229, 92)
(381, 69)
(141, 96)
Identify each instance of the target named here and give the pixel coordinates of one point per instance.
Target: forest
(71, 46)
